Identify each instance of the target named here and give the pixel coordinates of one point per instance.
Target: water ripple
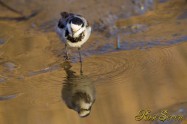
(106, 67)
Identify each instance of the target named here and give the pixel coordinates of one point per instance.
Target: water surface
(148, 72)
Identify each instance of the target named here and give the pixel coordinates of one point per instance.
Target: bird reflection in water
(78, 91)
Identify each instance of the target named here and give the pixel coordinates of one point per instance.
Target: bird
(78, 92)
(73, 30)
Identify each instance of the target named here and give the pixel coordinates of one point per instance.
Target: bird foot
(66, 58)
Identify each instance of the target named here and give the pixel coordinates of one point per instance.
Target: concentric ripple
(106, 66)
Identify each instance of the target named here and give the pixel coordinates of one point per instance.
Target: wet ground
(147, 72)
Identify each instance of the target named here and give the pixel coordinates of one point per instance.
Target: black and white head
(82, 103)
(76, 25)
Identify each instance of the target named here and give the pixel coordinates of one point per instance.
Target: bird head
(82, 103)
(85, 109)
(76, 26)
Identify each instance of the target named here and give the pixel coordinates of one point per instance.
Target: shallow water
(147, 72)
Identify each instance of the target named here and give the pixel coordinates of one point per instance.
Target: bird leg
(66, 52)
(80, 58)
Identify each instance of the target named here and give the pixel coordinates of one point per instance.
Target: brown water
(148, 72)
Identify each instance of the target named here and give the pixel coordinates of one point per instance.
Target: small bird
(78, 92)
(73, 30)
